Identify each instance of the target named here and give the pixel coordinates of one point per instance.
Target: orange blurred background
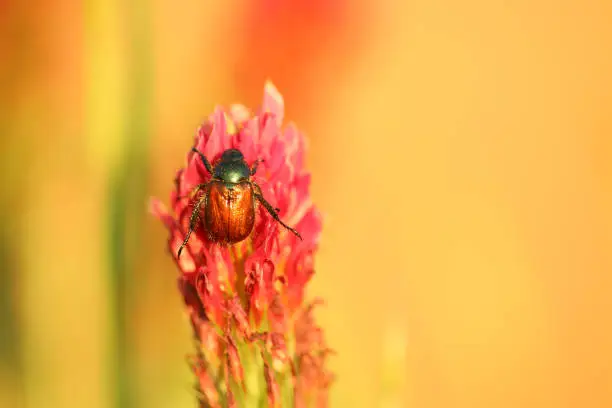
(460, 154)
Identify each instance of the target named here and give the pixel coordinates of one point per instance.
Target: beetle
(229, 200)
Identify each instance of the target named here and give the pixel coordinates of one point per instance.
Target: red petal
(207, 286)
(234, 363)
(240, 317)
(272, 387)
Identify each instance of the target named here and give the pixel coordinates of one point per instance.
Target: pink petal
(239, 114)
(277, 155)
(251, 128)
(157, 208)
(246, 144)
(295, 143)
(219, 139)
(202, 136)
(269, 129)
(273, 102)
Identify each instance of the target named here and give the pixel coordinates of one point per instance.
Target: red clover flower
(257, 340)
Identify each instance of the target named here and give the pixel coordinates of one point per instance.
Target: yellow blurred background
(461, 155)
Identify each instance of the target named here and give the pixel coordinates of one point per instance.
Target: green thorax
(232, 167)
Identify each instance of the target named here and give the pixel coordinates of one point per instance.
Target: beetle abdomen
(229, 211)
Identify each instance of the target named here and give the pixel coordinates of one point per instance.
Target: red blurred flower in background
(256, 338)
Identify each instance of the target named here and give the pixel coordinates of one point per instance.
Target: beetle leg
(193, 220)
(273, 211)
(255, 165)
(193, 192)
(204, 160)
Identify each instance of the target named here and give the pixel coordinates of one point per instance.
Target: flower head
(245, 300)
